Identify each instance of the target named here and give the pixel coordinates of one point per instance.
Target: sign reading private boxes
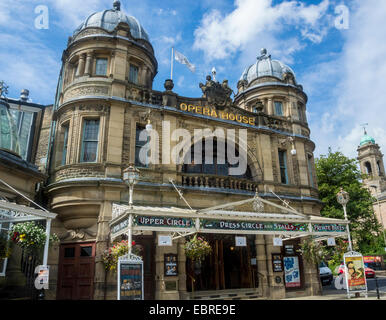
(355, 273)
(130, 280)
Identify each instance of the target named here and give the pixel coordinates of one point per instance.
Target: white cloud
(220, 36)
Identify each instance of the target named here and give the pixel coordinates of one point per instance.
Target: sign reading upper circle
(212, 112)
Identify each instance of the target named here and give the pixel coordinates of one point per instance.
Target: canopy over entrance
(182, 222)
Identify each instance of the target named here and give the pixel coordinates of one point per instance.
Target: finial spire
(117, 5)
(364, 127)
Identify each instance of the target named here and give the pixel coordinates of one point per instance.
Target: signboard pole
(130, 232)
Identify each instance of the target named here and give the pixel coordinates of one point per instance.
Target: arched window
(218, 166)
(379, 168)
(368, 168)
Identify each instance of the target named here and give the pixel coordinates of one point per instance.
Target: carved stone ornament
(218, 95)
(257, 204)
(77, 234)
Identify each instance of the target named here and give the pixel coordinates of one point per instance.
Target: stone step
(240, 294)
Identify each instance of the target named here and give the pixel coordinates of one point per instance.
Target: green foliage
(30, 236)
(5, 249)
(312, 251)
(335, 171)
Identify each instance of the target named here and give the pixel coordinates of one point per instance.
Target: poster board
(355, 273)
(130, 280)
(170, 265)
(277, 262)
(291, 272)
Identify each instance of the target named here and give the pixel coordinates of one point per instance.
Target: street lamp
(130, 177)
(343, 198)
(380, 214)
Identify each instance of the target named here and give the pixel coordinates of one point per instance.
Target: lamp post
(343, 199)
(380, 214)
(130, 177)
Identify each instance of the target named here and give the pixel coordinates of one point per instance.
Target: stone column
(104, 284)
(89, 59)
(261, 259)
(277, 290)
(182, 269)
(270, 106)
(80, 70)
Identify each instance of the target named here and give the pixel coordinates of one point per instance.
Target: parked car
(370, 273)
(325, 274)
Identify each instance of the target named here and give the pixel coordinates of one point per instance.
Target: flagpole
(171, 65)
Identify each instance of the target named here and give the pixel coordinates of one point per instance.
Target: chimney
(24, 95)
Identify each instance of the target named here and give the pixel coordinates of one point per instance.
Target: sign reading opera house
(105, 100)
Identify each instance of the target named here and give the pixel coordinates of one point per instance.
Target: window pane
(86, 251)
(139, 145)
(101, 67)
(91, 130)
(90, 141)
(69, 252)
(90, 151)
(64, 154)
(283, 167)
(133, 76)
(278, 108)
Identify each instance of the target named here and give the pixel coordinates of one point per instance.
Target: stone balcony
(213, 181)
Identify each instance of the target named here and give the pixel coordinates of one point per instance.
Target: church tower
(371, 163)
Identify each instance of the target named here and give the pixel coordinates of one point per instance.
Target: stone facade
(82, 193)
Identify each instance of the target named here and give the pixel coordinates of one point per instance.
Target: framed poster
(241, 241)
(291, 272)
(130, 280)
(277, 262)
(170, 265)
(355, 273)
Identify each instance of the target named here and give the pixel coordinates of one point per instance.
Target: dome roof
(109, 19)
(367, 139)
(264, 67)
(8, 134)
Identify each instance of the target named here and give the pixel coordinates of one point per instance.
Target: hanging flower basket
(30, 236)
(197, 248)
(110, 256)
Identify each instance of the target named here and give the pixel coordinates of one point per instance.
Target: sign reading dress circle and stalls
(130, 280)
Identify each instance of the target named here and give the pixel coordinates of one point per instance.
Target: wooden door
(146, 244)
(76, 271)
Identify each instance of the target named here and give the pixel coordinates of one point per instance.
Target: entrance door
(227, 267)
(146, 245)
(76, 271)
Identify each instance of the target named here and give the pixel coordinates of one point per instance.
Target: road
(371, 286)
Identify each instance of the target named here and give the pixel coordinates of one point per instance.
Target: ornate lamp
(130, 177)
(343, 198)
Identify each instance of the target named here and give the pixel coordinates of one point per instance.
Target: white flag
(178, 56)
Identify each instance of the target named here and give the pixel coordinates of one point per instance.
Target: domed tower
(109, 61)
(371, 163)
(269, 88)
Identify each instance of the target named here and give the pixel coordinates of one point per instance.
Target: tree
(334, 171)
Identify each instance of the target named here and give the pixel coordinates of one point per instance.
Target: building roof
(109, 19)
(265, 66)
(367, 139)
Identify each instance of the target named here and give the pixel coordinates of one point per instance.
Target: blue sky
(343, 71)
